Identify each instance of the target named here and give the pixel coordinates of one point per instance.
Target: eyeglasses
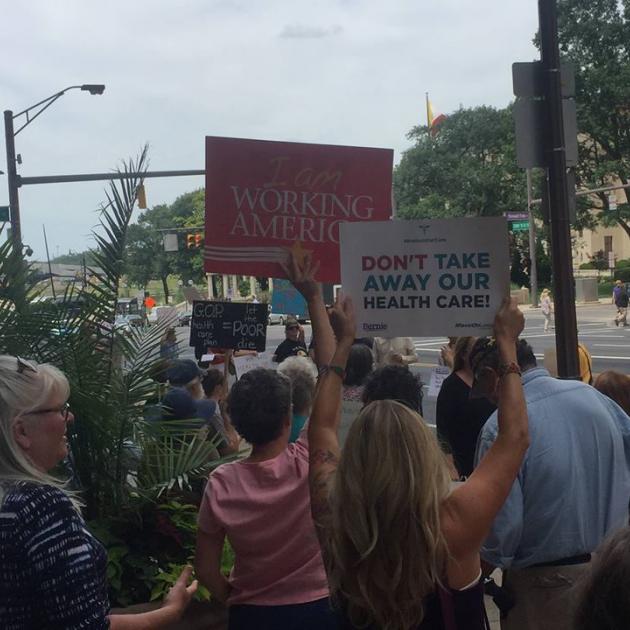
(25, 366)
(293, 328)
(64, 410)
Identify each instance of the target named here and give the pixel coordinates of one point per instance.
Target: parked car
(135, 320)
(121, 323)
(276, 318)
(127, 322)
(183, 319)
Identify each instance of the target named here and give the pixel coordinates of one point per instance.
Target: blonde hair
(386, 550)
(21, 392)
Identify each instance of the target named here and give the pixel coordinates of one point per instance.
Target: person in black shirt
(459, 417)
(293, 345)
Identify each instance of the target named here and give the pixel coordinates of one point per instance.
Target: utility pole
(533, 270)
(564, 290)
(14, 201)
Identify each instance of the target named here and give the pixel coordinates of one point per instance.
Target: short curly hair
(394, 382)
(259, 404)
(302, 373)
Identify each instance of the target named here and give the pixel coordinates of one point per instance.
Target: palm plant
(116, 455)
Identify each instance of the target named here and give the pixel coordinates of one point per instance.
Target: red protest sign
(265, 197)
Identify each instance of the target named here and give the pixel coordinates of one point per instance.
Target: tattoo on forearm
(323, 465)
(324, 456)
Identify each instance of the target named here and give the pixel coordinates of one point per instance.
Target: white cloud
(334, 71)
(303, 31)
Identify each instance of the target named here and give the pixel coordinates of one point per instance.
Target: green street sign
(519, 226)
(4, 214)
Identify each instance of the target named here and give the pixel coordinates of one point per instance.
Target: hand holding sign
(508, 322)
(342, 319)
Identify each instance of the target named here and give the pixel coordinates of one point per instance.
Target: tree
(145, 256)
(188, 210)
(517, 273)
(543, 264)
(594, 35)
(468, 168)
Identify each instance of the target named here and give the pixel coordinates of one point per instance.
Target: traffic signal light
(190, 241)
(198, 240)
(142, 197)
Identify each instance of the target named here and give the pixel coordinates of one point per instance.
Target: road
(608, 345)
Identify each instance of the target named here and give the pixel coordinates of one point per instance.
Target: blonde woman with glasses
(52, 570)
(401, 550)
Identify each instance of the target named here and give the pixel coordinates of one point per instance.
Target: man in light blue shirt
(572, 490)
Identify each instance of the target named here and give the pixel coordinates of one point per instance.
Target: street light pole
(10, 133)
(14, 200)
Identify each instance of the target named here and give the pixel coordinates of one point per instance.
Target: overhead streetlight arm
(9, 134)
(44, 104)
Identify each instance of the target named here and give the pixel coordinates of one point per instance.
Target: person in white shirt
(398, 350)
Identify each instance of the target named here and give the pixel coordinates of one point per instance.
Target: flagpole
(427, 104)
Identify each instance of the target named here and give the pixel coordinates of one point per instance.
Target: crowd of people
(381, 524)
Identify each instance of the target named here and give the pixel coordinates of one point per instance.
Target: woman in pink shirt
(262, 505)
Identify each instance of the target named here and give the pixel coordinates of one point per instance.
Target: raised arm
(302, 275)
(326, 412)
(470, 510)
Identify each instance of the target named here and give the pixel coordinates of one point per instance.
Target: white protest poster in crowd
(251, 362)
(438, 374)
(444, 277)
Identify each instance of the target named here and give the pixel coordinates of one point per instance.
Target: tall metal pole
(14, 200)
(533, 269)
(565, 317)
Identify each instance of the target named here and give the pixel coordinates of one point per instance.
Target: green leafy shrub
(147, 548)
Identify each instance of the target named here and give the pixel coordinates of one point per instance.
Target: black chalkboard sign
(230, 325)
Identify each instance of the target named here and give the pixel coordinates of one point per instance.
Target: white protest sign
(251, 362)
(424, 278)
(438, 374)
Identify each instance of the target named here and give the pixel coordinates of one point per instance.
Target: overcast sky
(331, 71)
